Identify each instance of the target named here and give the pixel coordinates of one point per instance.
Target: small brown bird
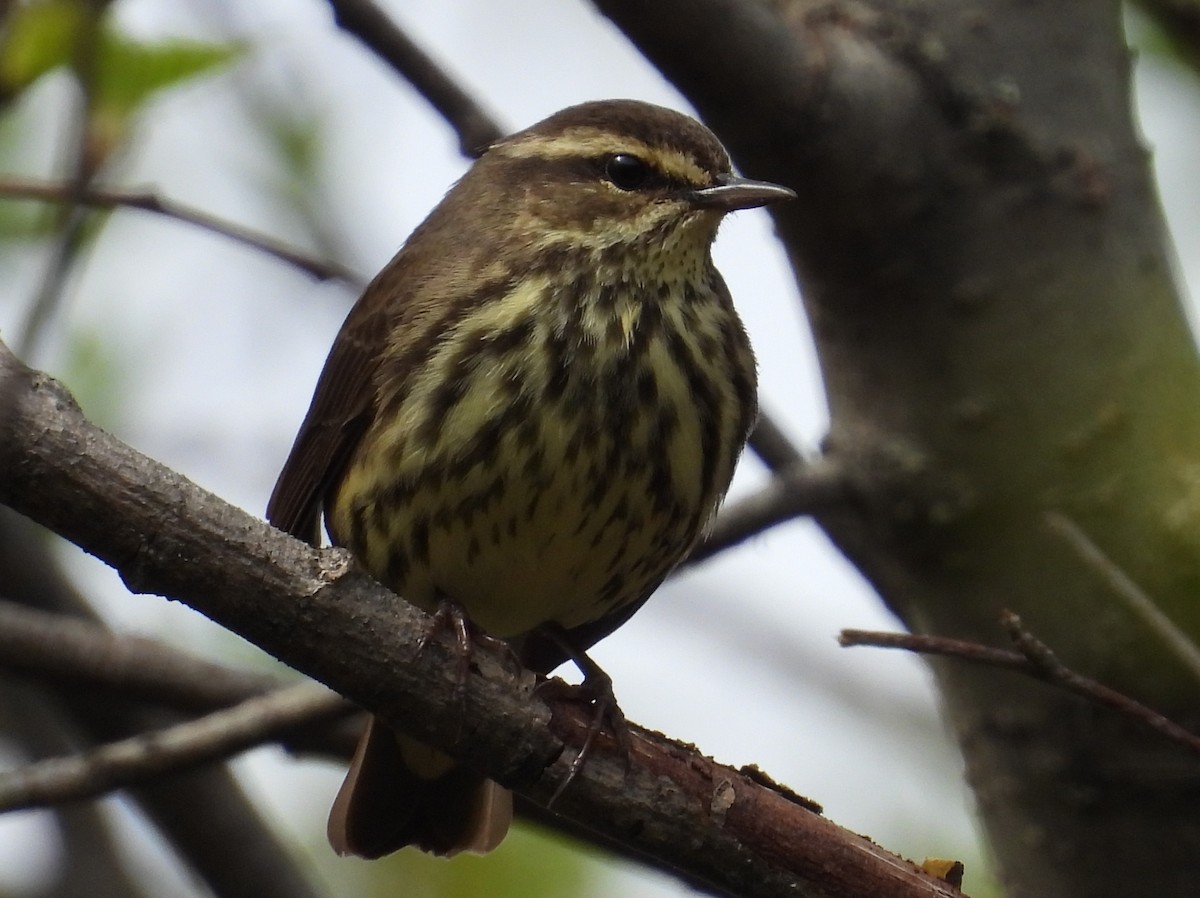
(531, 413)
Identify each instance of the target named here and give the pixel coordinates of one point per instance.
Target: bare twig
(1135, 598)
(64, 249)
(64, 648)
(773, 446)
(943, 646)
(800, 490)
(204, 816)
(1033, 659)
(180, 747)
(85, 162)
(475, 128)
(91, 856)
(147, 201)
(70, 652)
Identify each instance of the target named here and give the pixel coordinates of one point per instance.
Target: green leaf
(131, 71)
(36, 38)
(41, 36)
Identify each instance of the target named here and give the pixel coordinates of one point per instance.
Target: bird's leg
(452, 615)
(596, 690)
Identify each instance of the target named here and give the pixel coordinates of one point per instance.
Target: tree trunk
(1011, 379)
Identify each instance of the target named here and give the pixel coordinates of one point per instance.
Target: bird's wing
(341, 409)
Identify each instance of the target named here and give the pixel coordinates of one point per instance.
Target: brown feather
(339, 414)
(398, 792)
(389, 444)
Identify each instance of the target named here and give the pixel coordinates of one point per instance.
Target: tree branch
(773, 446)
(86, 157)
(181, 747)
(71, 652)
(318, 612)
(203, 815)
(61, 648)
(475, 128)
(147, 201)
(1135, 598)
(33, 723)
(802, 489)
(1034, 659)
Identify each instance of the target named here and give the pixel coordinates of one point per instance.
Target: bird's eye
(626, 171)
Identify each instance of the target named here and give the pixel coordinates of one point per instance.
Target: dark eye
(626, 171)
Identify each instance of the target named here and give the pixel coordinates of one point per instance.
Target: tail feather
(398, 792)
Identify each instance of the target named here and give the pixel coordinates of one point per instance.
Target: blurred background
(203, 353)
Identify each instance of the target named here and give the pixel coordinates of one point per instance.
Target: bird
(529, 417)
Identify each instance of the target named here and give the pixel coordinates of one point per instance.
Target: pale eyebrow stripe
(592, 142)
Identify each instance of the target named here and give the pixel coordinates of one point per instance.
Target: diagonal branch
(70, 653)
(84, 162)
(796, 491)
(772, 445)
(181, 747)
(76, 655)
(203, 816)
(92, 863)
(63, 648)
(475, 128)
(1135, 598)
(318, 612)
(147, 201)
(1032, 658)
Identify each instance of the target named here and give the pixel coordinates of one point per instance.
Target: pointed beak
(731, 193)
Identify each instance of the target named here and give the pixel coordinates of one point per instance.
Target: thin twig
(64, 249)
(64, 649)
(475, 128)
(147, 201)
(69, 237)
(943, 646)
(204, 816)
(1033, 658)
(1135, 598)
(773, 446)
(180, 747)
(797, 491)
(90, 853)
(78, 655)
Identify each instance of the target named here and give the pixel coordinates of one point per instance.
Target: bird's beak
(731, 193)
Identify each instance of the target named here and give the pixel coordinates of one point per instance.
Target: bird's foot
(450, 615)
(596, 690)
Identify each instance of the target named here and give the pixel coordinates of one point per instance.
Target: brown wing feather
(421, 274)
(441, 260)
(341, 409)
